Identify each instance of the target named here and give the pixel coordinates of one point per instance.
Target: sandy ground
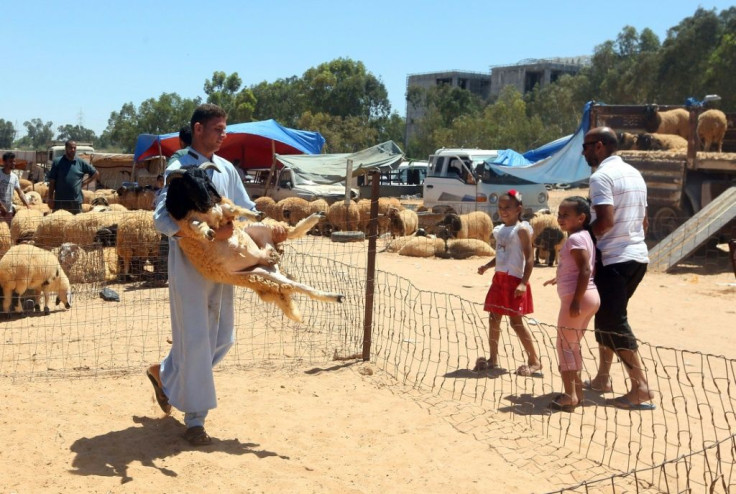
(334, 426)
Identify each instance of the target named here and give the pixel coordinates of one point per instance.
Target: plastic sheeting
(332, 168)
(249, 145)
(560, 161)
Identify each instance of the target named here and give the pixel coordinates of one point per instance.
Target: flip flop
(559, 407)
(197, 436)
(526, 371)
(161, 398)
(624, 403)
(589, 386)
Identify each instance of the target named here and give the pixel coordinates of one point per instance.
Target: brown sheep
(476, 225)
(343, 218)
(547, 237)
(136, 238)
(712, 126)
(675, 121)
(293, 209)
(5, 240)
(267, 206)
(660, 142)
(24, 225)
(320, 206)
(402, 223)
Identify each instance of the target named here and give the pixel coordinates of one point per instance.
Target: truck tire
(344, 237)
(666, 220)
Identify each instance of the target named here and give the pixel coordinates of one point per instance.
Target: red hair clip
(515, 194)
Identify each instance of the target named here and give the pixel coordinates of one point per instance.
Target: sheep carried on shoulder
(250, 257)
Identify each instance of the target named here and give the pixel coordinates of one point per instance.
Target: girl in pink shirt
(579, 299)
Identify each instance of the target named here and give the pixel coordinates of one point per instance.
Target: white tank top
(509, 254)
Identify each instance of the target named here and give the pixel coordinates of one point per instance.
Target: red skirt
(501, 300)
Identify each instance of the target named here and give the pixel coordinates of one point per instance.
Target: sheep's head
(452, 223)
(651, 118)
(190, 189)
(644, 142)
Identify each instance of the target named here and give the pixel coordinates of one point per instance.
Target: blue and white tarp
(560, 161)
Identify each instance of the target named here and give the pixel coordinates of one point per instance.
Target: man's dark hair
(185, 135)
(9, 155)
(206, 112)
(69, 141)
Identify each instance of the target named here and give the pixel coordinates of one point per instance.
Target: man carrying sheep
(202, 315)
(9, 183)
(66, 180)
(619, 198)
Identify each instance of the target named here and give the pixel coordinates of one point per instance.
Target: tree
(39, 134)
(224, 90)
(7, 133)
(75, 133)
(282, 100)
(344, 88)
(166, 114)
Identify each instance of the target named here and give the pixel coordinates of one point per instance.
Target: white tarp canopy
(332, 168)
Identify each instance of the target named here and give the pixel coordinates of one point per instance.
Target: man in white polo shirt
(618, 195)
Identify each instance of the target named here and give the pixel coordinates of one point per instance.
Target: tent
(250, 144)
(332, 168)
(559, 161)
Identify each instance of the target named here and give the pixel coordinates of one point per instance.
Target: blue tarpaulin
(250, 144)
(560, 161)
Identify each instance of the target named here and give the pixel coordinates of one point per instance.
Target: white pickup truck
(286, 183)
(460, 178)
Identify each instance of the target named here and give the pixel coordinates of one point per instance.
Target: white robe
(202, 315)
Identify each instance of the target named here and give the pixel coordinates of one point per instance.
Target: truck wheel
(347, 237)
(664, 221)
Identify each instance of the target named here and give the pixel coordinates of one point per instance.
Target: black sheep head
(651, 118)
(191, 189)
(644, 142)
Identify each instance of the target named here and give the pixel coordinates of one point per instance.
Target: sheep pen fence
(426, 343)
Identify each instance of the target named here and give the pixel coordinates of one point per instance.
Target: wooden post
(273, 168)
(371, 267)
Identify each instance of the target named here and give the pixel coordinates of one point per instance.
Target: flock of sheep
(670, 130)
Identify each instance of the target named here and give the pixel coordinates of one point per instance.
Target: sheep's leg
(202, 229)
(7, 296)
(233, 211)
(253, 243)
(46, 309)
(302, 228)
(20, 289)
(284, 282)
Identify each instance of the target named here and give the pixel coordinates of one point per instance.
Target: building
(523, 75)
(529, 73)
(475, 82)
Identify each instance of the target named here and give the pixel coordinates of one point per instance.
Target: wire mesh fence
(425, 341)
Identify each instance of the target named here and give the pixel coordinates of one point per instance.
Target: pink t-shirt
(567, 270)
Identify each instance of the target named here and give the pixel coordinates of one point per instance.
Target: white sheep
(81, 265)
(27, 267)
(50, 231)
(712, 126)
(24, 225)
(402, 223)
(5, 238)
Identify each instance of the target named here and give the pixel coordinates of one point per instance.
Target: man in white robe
(202, 315)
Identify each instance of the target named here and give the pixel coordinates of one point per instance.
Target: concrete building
(523, 75)
(475, 82)
(529, 73)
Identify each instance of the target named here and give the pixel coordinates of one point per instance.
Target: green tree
(76, 133)
(344, 88)
(224, 90)
(166, 114)
(39, 134)
(282, 100)
(7, 133)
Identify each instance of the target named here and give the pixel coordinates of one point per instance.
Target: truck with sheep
(687, 156)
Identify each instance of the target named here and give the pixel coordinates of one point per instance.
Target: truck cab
(461, 178)
(285, 182)
(58, 150)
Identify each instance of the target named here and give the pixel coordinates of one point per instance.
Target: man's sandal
(197, 436)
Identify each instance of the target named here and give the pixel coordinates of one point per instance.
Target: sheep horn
(207, 165)
(174, 174)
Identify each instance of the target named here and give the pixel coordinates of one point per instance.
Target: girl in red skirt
(510, 294)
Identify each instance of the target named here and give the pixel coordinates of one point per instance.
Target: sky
(75, 62)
